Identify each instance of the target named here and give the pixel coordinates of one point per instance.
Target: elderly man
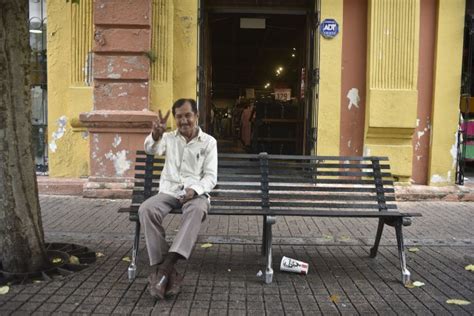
(189, 174)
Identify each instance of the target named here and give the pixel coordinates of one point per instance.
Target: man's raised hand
(159, 126)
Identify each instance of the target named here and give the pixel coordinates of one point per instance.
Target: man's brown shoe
(174, 284)
(157, 282)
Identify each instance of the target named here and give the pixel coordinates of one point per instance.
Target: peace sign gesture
(159, 126)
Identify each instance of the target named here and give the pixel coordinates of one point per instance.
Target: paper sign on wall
(283, 94)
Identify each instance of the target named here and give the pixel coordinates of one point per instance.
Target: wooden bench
(278, 185)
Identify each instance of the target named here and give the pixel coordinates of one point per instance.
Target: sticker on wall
(329, 28)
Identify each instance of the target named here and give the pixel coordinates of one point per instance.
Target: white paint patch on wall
(121, 164)
(366, 151)
(113, 76)
(349, 143)
(417, 145)
(61, 122)
(436, 178)
(421, 134)
(454, 151)
(117, 141)
(354, 99)
(95, 149)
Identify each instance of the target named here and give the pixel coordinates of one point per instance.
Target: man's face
(185, 119)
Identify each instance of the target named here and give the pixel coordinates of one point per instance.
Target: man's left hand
(190, 194)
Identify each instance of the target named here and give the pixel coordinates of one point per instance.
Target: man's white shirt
(187, 165)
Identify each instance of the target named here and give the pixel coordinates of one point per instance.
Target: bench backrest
(256, 183)
(303, 184)
(239, 183)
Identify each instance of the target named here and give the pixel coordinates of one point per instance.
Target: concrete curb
(454, 193)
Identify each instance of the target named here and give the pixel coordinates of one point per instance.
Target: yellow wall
(185, 48)
(329, 109)
(392, 83)
(387, 132)
(448, 59)
(65, 102)
(162, 47)
(176, 27)
(175, 68)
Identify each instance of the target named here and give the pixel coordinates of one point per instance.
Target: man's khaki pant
(153, 211)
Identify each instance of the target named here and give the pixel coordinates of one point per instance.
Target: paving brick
(237, 312)
(363, 285)
(29, 306)
(199, 312)
(142, 311)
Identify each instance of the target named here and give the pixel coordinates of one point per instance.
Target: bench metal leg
(132, 268)
(270, 220)
(374, 249)
(264, 236)
(401, 252)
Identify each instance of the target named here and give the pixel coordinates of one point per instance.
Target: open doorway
(465, 135)
(256, 93)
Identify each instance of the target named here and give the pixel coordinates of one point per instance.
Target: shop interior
(465, 137)
(256, 73)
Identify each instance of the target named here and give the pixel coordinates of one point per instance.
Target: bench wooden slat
(319, 158)
(237, 163)
(351, 181)
(154, 168)
(311, 173)
(348, 166)
(154, 184)
(298, 212)
(246, 186)
(351, 173)
(233, 171)
(313, 165)
(240, 202)
(326, 197)
(225, 190)
(280, 186)
(274, 187)
(256, 195)
(155, 160)
(292, 204)
(318, 213)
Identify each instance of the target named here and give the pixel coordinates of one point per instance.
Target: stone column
(121, 118)
(392, 77)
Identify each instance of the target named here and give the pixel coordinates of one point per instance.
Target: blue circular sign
(329, 28)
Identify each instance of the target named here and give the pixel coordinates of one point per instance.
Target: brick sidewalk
(222, 280)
